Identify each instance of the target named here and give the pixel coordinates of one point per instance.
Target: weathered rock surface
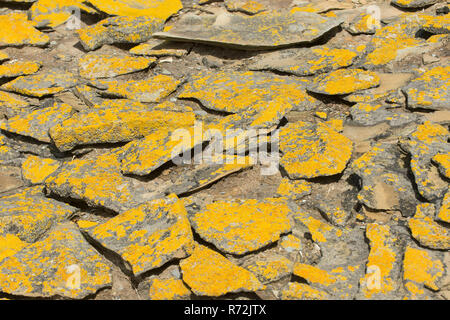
(18, 31)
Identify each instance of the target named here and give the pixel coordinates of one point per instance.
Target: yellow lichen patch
(161, 9)
(148, 236)
(319, 230)
(152, 89)
(19, 68)
(9, 245)
(109, 66)
(28, 214)
(444, 211)
(37, 123)
(443, 161)
(344, 81)
(168, 289)
(146, 49)
(246, 6)
(62, 264)
(3, 56)
(300, 291)
(85, 224)
(425, 230)
(293, 189)
(270, 269)
(317, 276)
(36, 169)
(313, 150)
(291, 243)
(381, 262)
(116, 124)
(335, 124)
(241, 226)
(364, 23)
(10, 102)
(419, 266)
(208, 273)
(17, 30)
(436, 24)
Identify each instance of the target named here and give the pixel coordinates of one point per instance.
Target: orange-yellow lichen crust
(291, 243)
(28, 214)
(239, 91)
(17, 31)
(11, 102)
(42, 83)
(36, 169)
(63, 264)
(436, 24)
(141, 157)
(242, 226)
(293, 189)
(3, 56)
(444, 210)
(420, 268)
(313, 150)
(168, 289)
(364, 23)
(152, 89)
(53, 13)
(37, 123)
(443, 161)
(344, 81)
(9, 245)
(246, 6)
(18, 68)
(426, 231)
(430, 90)
(146, 49)
(148, 236)
(120, 29)
(115, 124)
(161, 9)
(301, 291)
(270, 269)
(108, 66)
(382, 262)
(208, 273)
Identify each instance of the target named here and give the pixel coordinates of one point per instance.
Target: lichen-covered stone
(11, 104)
(241, 226)
(161, 48)
(261, 31)
(436, 24)
(413, 3)
(29, 215)
(429, 90)
(443, 162)
(9, 245)
(313, 150)
(444, 210)
(148, 236)
(120, 29)
(37, 123)
(161, 9)
(18, 68)
(364, 23)
(373, 113)
(36, 169)
(115, 124)
(17, 31)
(3, 56)
(301, 291)
(269, 267)
(293, 189)
(250, 7)
(305, 61)
(169, 289)
(238, 91)
(152, 89)
(61, 265)
(426, 231)
(208, 273)
(423, 144)
(109, 66)
(343, 81)
(42, 84)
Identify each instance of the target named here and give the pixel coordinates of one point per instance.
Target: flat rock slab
(152, 89)
(109, 66)
(414, 4)
(36, 169)
(119, 29)
(436, 24)
(249, 7)
(61, 265)
(301, 291)
(18, 68)
(12, 104)
(119, 124)
(208, 273)
(239, 227)
(305, 61)
(428, 232)
(443, 162)
(429, 90)
(385, 183)
(42, 84)
(148, 236)
(36, 124)
(313, 150)
(262, 31)
(423, 144)
(161, 9)
(99, 183)
(370, 114)
(343, 81)
(268, 267)
(29, 215)
(293, 189)
(18, 31)
(238, 91)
